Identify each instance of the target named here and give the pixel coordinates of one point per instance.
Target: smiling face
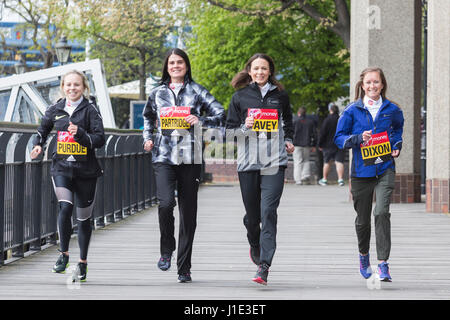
(260, 71)
(372, 85)
(176, 67)
(73, 86)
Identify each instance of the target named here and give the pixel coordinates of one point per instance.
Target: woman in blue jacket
(372, 127)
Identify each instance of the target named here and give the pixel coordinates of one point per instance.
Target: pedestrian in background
(331, 153)
(304, 143)
(372, 114)
(174, 108)
(75, 168)
(261, 100)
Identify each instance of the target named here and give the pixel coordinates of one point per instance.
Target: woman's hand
(289, 147)
(367, 135)
(191, 119)
(35, 152)
(395, 153)
(249, 121)
(73, 129)
(148, 145)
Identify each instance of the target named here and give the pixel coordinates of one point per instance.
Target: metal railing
(28, 206)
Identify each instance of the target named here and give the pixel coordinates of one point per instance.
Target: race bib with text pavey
(67, 148)
(265, 119)
(377, 149)
(174, 117)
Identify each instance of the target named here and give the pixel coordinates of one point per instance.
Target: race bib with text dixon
(377, 149)
(265, 119)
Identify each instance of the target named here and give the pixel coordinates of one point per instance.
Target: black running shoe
(61, 264)
(261, 274)
(254, 254)
(80, 273)
(184, 278)
(164, 262)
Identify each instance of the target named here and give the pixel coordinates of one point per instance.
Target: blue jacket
(355, 119)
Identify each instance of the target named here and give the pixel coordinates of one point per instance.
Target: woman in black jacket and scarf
(178, 108)
(75, 168)
(260, 117)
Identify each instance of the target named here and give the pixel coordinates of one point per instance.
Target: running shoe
(80, 272)
(262, 273)
(383, 271)
(61, 264)
(341, 182)
(364, 266)
(164, 262)
(254, 254)
(323, 182)
(184, 278)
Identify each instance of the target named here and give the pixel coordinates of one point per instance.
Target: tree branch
(285, 5)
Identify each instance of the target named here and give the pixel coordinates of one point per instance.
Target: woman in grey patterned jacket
(177, 109)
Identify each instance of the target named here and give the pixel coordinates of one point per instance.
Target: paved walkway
(316, 256)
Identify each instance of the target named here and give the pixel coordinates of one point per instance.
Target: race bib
(377, 149)
(67, 148)
(265, 119)
(174, 117)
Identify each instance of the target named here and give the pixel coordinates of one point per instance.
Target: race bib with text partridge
(264, 119)
(174, 117)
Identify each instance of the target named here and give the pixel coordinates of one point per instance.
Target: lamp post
(19, 67)
(63, 49)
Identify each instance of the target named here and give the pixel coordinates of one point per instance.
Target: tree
(40, 23)
(138, 27)
(337, 21)
(312, 62)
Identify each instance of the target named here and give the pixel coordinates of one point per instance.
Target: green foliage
(312, 62)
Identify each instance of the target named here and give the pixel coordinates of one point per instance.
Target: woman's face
(372, 85)
(73, 87)
(260, 71)
(176, 67)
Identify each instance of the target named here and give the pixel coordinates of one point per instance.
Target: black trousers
(261, 195)
(362, 192)
(185, 178)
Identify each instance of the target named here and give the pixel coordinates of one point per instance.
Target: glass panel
(49, 90)
(4, 98)
(25, 111)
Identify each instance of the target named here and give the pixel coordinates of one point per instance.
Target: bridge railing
(28, 206)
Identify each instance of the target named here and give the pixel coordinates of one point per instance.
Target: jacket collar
(255, 86)
(61, 104)
(360, 104)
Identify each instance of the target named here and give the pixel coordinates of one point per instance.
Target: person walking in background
(75, 168)
(330, 151)
(176, 106)
(372, 127)
(257, 109)
(304, 142)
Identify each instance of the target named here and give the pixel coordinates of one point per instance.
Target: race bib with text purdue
(67, 148)
(174, 117)
(377, 149)
(265, 119)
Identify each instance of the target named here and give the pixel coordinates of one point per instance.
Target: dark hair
(165, 74)
(333, 108)
(302, 111)
(242, 78)
(359, 92)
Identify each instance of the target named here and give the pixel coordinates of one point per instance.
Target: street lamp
(63, 49)
(19, 67)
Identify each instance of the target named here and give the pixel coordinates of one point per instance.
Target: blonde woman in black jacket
(74, 168)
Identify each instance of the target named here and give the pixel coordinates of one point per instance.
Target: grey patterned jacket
(176, 146)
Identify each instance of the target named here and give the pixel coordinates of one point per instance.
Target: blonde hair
(86, 92)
